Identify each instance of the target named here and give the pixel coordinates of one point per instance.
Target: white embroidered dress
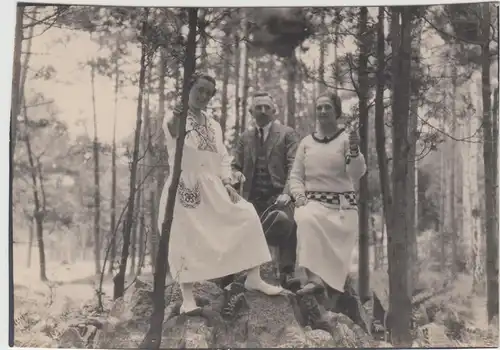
(211, 237)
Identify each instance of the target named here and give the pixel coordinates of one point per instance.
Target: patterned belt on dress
(332, 197)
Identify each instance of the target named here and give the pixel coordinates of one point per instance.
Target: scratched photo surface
(254, 177)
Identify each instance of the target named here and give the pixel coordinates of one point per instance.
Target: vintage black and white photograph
(254, 177)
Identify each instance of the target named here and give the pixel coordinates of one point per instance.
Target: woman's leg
(255, 282)
(188, 302)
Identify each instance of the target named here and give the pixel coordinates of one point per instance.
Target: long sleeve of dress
(356, 167)
(297, 174)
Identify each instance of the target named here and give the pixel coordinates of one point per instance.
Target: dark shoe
(311, 288)
(290, 282)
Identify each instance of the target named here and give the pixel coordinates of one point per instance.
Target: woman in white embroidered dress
(214, 231)
(326, 166)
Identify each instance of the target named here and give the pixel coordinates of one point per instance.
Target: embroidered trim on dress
(189, 198)
(332, 197)
(205, 136)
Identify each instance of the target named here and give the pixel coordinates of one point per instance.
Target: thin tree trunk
(291, 67)
(119, 279)
(237, 58)
(161, 152)
(39, 210)
(225, 79)
(152, 339)
(322, 50)
(30, 242)
(490, 172)
(113, 229)
(244, 97)
(379, 120)
(412, 166)
(364, 211)
(97, 190)
(16, 78)
(335, 49)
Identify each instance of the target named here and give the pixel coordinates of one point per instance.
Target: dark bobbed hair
(334, 99)
(197, 76)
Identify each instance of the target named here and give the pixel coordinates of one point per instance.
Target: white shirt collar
(266, 128)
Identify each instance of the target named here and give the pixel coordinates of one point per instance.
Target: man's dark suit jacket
(282, 145)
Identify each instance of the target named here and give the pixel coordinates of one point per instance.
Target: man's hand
(238, 177)
(283, 199)
(233, 194)
(300, 201)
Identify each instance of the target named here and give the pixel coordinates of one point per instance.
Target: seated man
(262, 161)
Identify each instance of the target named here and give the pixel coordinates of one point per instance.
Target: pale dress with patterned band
(211, 236)
(327, 225)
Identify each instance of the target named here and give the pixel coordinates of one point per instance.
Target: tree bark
(379, 120)
(398, 239)
(39, 210)
(97, 190)
(16, 78)
(322, 50)
(225, 79)
(244, 97)
(291, 68)
(237, 58)
(119, 279)
(364, 212)
(490, 171)
(113, 229)
(153, 337)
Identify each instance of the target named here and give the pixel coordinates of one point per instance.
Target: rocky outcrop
(234, 318)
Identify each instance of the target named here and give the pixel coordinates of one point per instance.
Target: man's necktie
(261, 136)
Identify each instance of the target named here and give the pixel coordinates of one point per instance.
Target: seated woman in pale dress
(214, 231)
(327, 165)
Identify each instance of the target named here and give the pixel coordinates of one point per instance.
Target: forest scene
(92, 87)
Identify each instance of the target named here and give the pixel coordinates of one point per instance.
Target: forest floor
(72, 287)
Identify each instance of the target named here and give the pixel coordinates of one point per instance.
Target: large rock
(234, 318)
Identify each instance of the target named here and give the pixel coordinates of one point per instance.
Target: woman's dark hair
(195, 77)
(334, 99)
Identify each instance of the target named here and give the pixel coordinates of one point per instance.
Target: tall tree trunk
(237, 58)
(97, 190)
(291, 68)
(152, 339)
(335, 49)
(203, 40)
(490, 171)
(225, 78)
(379, 120)
(398, 239)
(412, 160)
(30, 242)
(364, 211)
(455, 236)
(322, 51)
(39, 201)
(244, 97)
(113, 228)
(15, 106)
(119, 279)
(161, 153)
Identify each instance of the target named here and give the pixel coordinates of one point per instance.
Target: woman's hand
(233, 194)
(353, 141)
(300, 201)
(173, 123)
